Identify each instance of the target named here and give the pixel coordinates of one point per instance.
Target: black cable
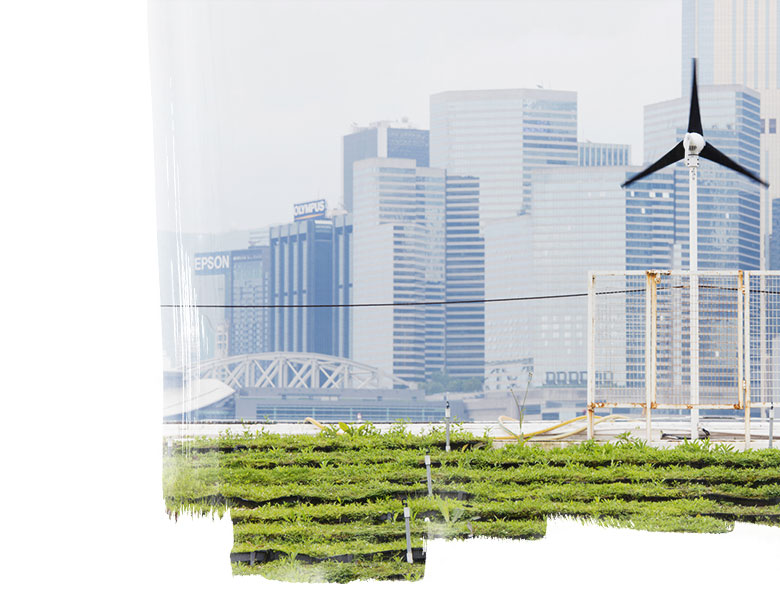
(442, 302)
(379, 304)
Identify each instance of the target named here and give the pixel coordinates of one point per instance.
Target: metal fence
(683, 340)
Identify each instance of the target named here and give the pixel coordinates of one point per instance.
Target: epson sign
(309, 210)
(212, 263)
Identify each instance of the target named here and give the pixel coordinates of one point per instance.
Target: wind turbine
(691, 148)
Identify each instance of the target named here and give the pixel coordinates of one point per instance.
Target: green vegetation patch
(329, 507)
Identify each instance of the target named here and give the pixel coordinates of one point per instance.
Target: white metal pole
(649, 280)
(591, 351)
(746, 389)
(692, 161)
(407, 516)
(762, 343)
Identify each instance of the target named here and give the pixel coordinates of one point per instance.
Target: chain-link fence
(684, 341)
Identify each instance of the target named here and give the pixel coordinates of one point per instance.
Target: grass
(330, 495)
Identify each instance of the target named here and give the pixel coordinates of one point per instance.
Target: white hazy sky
(258, 94)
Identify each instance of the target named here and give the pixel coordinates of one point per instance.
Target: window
(772, 125)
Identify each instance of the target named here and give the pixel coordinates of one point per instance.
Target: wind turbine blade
(694, 118)
(710, 152)
(671, 157)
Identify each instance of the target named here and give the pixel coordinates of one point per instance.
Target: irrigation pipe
(317, 423)
(526, 436)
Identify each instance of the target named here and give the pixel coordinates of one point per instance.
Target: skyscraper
(382, 139)
(341, 271)
(399, 257)
(301, 274)
(224, 282)
(737, 42)
(729, 203)
(249, 286)
(464, 280)
(500, 136)
(578, 223)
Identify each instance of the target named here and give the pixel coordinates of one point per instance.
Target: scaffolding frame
(735, 328)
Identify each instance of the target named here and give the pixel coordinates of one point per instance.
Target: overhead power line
(379, 304)
(441, 302)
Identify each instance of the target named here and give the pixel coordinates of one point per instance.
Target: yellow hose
(560, 436)
(317, 423)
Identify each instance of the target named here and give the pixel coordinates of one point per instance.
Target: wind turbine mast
(691, 148)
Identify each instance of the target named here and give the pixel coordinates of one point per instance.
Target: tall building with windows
(310, 266)
(225, 282)
(593, 154)
(382, 139)
(249, 286)
(399, 257)
(464, 280)
(500, 136)
(728, 203)
(737, 42)
(582, 220)
(341, 270)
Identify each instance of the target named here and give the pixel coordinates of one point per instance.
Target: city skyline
(231, 158)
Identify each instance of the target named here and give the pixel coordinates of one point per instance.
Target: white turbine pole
(692, 162)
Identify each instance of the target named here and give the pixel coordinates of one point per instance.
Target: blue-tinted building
(736, 43)
(310, 266)
(729, 204)
(223, 283)
(774, 239)
(301, 275)
(342, 284)
(382, 139)
(464, 280)
(249, 286)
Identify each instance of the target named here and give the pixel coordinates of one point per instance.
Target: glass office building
(464, 280)
(399, 256)
(301, 275)
(578, 223)
(383, 139)
(341, 269)
(249, 286)
(728, 203)
(737, 43)
(500, 136)
(310, 265)
(224, 282)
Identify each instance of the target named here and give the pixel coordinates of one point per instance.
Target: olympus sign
(212, 263)
(309, 210)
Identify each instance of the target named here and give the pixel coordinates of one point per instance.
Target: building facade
(737, 42)
(230, 287)
(301, 278)
(464, 280)
(729, 204)
(592, 154)
(399, 257)
(382, 139)
(500, 136)
(578, 224)
(341, 269)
